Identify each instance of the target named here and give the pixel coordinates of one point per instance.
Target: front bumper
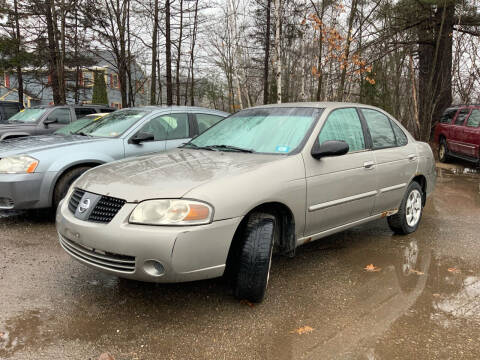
(186, 253)
(20, 191)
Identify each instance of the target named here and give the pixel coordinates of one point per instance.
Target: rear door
(472, 134)
(395, 158)
(340, 189)
(455, 140)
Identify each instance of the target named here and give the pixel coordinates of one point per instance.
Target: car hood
(167, 175)
(36, 144)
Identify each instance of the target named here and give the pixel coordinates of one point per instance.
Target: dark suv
(40, 120)
(8, 109)
(458, 133)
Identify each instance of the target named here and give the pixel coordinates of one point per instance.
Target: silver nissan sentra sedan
(264, 180)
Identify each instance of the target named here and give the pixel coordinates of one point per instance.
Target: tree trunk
(179, 53)
(153, 82)
(318, 96)
(346, 53)
(278, 48)
(168, 53)
(192, 55)
(266, 61)
(19, 44)
(52, 52)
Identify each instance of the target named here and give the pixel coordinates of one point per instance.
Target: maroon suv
(458, 133)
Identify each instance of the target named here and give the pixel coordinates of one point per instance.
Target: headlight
(172, 212)
(18, 164)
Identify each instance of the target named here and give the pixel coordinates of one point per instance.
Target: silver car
(36, 172)
(266, 179)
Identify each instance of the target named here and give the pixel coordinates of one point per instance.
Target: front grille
(103, 259)
(106, 209)
(75, 199)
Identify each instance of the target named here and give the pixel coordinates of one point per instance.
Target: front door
(340, 189)
(62, 117)
(456, 139)
(472, 134)
(157, 127)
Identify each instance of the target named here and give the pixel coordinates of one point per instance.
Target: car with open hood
(36, 171)
(265, 179)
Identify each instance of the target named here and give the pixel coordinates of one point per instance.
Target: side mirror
(48, 121)
(142, 137)
(330, 148)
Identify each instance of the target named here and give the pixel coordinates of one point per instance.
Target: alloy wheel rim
(442, 151)
(413, 208)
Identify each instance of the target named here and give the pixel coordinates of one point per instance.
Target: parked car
(270, 177)
(458, 133)
(8, 109)
(41, 120)
(36, 171)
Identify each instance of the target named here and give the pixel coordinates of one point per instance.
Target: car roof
(71, 106)
(176, 107)
(319, 104)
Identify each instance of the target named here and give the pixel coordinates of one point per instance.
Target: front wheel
(255, 258)
(408, 217)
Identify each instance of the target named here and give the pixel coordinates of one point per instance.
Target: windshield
(266, 130)
(27, 116)
(113, 124)
(77, 125)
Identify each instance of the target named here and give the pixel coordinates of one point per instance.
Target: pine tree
(99, 95)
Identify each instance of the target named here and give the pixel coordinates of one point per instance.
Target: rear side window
(448, 116)
(380, 129)
(345, 125)
(206, 121)
(462, 114)
(399, 134)
(474, 119)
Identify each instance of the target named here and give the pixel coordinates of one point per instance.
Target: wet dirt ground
(422, 303)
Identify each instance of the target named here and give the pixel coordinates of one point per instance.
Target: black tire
(398, 223)
(63, 184)
(255, 257)
(443, 151)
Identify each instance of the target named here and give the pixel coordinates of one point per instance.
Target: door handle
(412, 157)
(369, 164)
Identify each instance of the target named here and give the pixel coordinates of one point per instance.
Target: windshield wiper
(81, 133)
(193, 146)
(230, 148)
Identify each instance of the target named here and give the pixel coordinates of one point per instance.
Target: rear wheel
(408, 217)
(255, 257)
(64, 183)
(443, 151)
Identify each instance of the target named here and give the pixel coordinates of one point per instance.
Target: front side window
(272, 130)
(62, 116)
(206, 121)
(474, 119)
(177, 126)
(344, 125)
(448, 116)
(462, 114)
(380, 129)
(29, 116)
(113, 124)
(156, 127)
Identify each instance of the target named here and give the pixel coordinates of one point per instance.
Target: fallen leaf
(106, 356)
(246, 302)
(436, 295)
(303, 330)
(454, 270)
(1, 334)
(372, 268)
(416, 272)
